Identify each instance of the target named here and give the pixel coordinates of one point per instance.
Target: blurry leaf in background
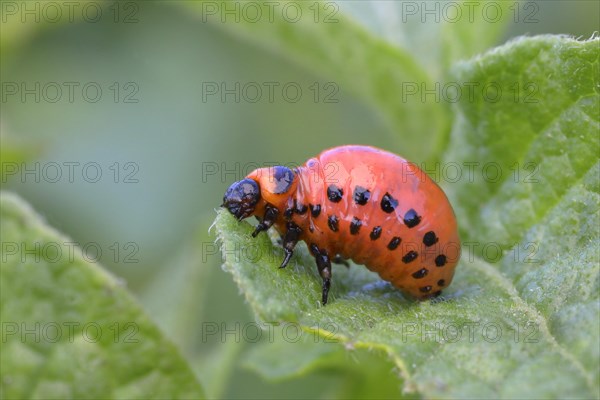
(14, 151)
(528, 327)
(435, 34)
(18, 27)
(177, 297)
(327, 42)
(65, 319)
(295, 353)
(577, 18)
(216, 370)
(292, 352)
(180, 299)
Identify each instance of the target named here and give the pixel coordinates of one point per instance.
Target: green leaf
(534, 133)
(526, 326)
(71, 330)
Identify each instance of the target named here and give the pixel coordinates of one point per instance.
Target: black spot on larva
(425, 289)
(287, 214)
(361, 195)
(420, 273)
(441, 282)
(411, 218)
(301, 208)
(393, 244)
(388, 203)
(355, 226)
(440, 260)
(315, 210)
(333, 222)
(375, 233)
(334, 193)
(410, 256)
(429, 239)
(283, 177)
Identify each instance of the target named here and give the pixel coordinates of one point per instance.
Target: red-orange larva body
(368, 205)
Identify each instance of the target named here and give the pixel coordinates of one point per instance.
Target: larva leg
(339, 260)
(291, 237)
(324, 267)
(267, 221)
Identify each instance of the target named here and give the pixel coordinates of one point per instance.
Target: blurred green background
(176, 152)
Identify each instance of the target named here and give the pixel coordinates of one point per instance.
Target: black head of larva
(241, 198)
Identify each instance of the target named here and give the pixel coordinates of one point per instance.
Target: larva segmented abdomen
(382, 211)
